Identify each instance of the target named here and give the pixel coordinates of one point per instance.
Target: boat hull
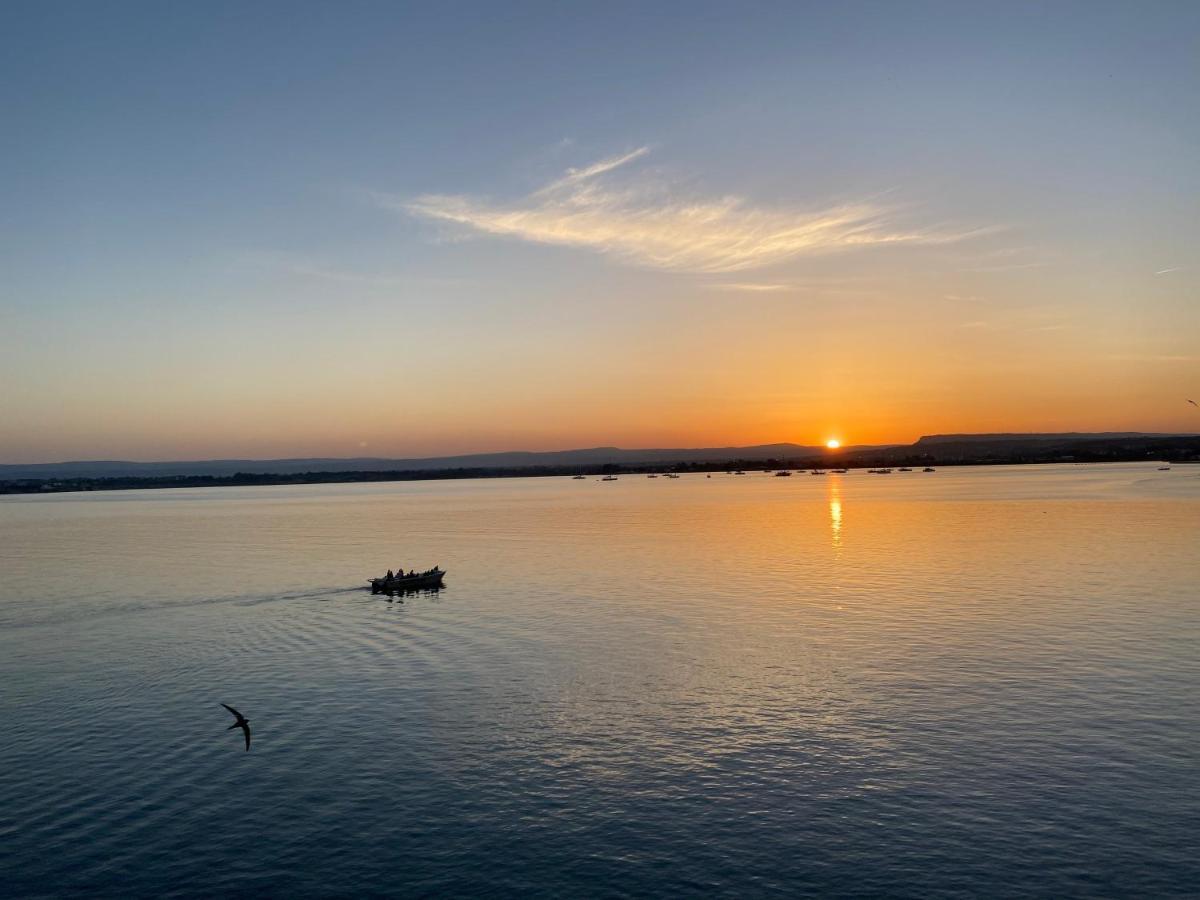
(424, 582)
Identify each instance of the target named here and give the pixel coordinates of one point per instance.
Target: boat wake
(43, 616)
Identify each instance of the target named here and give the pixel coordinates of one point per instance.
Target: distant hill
(948, 448)
(1016, 447)
(1007, 438)
(593, 456)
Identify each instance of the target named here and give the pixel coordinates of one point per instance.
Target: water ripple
(711, 692)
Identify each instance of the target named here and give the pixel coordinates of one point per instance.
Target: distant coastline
(933, 450)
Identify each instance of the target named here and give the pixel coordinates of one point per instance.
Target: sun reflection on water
(835, 514)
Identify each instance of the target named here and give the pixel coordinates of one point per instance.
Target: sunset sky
(349, 229)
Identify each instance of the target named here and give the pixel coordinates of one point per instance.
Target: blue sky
(267, 229)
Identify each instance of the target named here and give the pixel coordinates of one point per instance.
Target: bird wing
(246, 728)
(1194, 403)
(232, 710)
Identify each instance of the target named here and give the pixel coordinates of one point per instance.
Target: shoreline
(25, 487)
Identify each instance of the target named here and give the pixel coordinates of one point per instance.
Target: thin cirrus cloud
(646, 222)
(755, 287)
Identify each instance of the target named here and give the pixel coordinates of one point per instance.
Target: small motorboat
(1164, 468)
(431, 579)
(783, 473)
(578, 477)
(929, 469)
(609, 478)
(841, 471)
(816, 472)
(672, 475)
(905, 469)
(651, 476)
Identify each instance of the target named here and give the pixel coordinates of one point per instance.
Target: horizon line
(599, 447)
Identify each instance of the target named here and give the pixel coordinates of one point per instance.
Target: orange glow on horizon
(833, 443)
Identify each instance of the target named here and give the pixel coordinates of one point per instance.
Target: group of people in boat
(411, 573)
(412, 580)
(400, 580)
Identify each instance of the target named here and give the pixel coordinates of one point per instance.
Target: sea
(974, 682)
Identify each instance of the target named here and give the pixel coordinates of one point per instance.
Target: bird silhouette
(242, 723)
(1194, 403)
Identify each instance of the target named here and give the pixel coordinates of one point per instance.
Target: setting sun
(588, 303)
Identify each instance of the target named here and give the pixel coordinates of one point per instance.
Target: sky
(385, 229)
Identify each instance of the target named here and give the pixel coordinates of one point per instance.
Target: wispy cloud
(751, 286)
(574, 176)
(649, 222)
(1010, 267)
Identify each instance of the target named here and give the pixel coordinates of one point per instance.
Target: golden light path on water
(835, 512)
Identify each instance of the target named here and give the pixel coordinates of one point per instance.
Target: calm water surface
(976, 681)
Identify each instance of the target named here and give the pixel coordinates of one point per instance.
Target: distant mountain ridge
(1004, 437)
(592, 456)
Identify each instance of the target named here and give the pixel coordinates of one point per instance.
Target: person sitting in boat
(389, 575)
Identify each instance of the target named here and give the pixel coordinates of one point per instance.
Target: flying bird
(242, 723)
(1194, 403)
